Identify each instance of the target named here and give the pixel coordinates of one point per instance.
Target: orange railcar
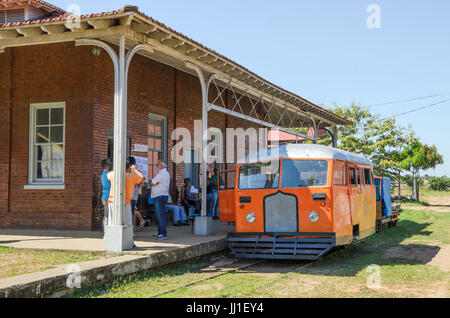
(297, 201)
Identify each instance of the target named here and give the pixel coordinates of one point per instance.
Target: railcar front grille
(281, 213)
(302, 246)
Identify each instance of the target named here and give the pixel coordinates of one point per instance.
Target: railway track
(239, 264)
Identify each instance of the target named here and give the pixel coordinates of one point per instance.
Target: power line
(417, 109)
(407, 100)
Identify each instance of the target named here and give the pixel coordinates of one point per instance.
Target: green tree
(408, 179)
(379, 140)
(416, 157)
(390, 158)
(383, 142)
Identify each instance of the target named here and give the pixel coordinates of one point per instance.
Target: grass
(412, 202)
(424, 192)
(343, 274)
(15, 262)
(427, 198)
(148, 283)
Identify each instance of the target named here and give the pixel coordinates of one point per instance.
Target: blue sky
(324, 51)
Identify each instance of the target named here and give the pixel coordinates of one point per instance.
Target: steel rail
(208, 278)
(283, 275)
(225, 272)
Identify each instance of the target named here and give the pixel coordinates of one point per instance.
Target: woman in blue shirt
(106, 185)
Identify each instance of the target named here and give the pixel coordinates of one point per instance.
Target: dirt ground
(436, 203)
(442, 259)
(425, 254)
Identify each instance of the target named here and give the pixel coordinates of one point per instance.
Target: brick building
(57, 106)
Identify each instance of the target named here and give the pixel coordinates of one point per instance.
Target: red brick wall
(5, 107)
(63, 72)
(42, 74)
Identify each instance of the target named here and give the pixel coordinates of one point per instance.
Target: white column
(120, 141)
(203, 224)
(204, 148)
(118, 237)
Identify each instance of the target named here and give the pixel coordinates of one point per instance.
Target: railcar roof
(302, 151)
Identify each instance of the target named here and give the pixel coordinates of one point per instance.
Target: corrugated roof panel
(11, 16)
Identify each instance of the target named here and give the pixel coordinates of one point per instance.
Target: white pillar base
(203, 225)
(118, 238)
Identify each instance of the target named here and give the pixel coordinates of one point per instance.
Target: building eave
(140, 28)
(12, 4)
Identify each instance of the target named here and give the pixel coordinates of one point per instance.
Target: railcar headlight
(251, 217)
(313, 216)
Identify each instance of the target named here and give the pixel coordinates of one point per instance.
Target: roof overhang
(17, 4)
(169, 47)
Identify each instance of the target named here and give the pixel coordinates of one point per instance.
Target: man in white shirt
(160, 193)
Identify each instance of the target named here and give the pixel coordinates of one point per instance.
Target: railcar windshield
(263, 175)
(304, 173)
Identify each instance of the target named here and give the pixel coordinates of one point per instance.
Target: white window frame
(164, 132)
(218, 157)
(33, 184)
(164, 140)
(188, 160)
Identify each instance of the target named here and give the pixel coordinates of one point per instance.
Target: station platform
(86, 242)
(149, 253)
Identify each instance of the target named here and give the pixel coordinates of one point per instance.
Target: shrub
(439, 183)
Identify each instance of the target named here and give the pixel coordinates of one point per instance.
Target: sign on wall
(142, 165)
(140, 148)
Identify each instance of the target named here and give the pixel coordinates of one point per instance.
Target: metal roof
(6, 4)
(156, 30)
(303, 151)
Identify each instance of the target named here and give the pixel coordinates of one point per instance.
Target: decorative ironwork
(227, 97)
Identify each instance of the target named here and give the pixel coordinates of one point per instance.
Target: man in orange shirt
(133, 177)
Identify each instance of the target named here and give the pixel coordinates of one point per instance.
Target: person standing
(209, 196)
(215, 194)
(160, 194)
(106, 187)
(131, 161)
(133, 177)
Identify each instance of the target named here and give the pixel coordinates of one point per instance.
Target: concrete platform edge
(54, 282)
